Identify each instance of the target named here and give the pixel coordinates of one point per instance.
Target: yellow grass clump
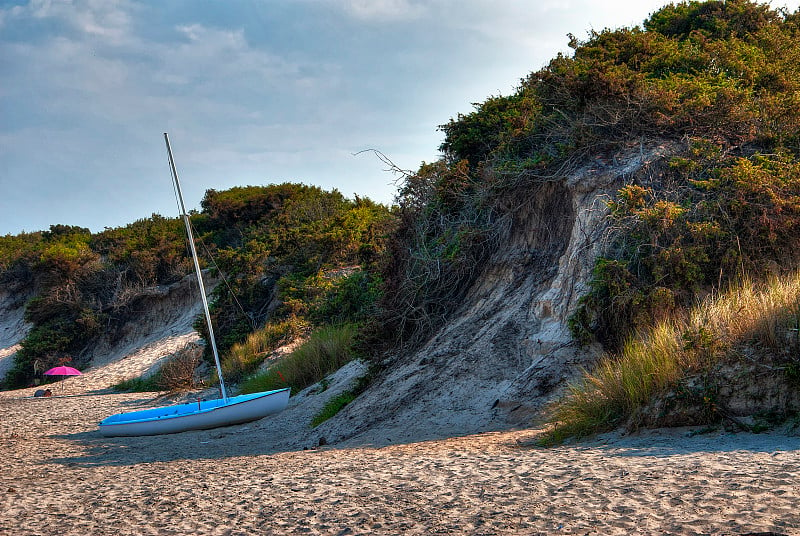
(656, 360)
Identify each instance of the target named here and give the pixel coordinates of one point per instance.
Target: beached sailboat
(198, 415)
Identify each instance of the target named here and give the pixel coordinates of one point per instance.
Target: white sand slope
(12, 329)
(163, 326)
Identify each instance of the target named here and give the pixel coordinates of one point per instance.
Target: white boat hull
(200, 415)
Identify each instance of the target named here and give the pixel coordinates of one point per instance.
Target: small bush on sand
(178, 371)
(175, 374)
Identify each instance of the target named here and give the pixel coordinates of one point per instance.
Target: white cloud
(250, 92)
(109, 20)
(385, 10)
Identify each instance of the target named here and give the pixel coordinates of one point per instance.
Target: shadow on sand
(667, 442)
(228, 442)
(263, 438)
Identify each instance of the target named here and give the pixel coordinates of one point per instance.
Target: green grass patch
(139, 385)
(333, 407)
(245, 357)
(325, 351)
(264, 381)
(336, 404)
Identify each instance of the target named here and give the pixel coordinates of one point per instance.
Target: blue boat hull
(200, 415)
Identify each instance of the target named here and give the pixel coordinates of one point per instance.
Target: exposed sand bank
(60, 476)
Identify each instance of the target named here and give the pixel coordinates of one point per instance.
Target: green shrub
(277, 243)
(350, 299)
(472, 137)
(709, 223)
(150, 251)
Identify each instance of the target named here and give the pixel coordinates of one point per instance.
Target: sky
(251, 92)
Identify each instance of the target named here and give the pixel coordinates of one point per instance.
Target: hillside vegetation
(279, 248)
(714, 84)
(717, 81)
(720, 80)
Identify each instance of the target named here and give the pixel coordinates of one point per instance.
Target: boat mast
(197, 269)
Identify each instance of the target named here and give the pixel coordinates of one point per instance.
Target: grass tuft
(325, 351)
(650, 364)
(138, 385)
(245, 357)
(336, 404)
(333, 407)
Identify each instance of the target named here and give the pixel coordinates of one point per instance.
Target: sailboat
(204, 414)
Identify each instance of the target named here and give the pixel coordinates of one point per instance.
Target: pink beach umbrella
(62, 371)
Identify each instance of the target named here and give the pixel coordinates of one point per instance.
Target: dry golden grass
(649, 364)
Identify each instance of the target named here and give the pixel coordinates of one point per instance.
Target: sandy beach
(60, 476)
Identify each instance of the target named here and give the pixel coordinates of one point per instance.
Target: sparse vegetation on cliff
(683, 361)
(718, 83)
(724, 208)
(719, 79)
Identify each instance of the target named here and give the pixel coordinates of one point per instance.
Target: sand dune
(61, 477)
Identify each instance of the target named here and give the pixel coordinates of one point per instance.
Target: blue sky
(251, 92)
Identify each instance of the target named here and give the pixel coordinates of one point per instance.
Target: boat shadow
(219, 443)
